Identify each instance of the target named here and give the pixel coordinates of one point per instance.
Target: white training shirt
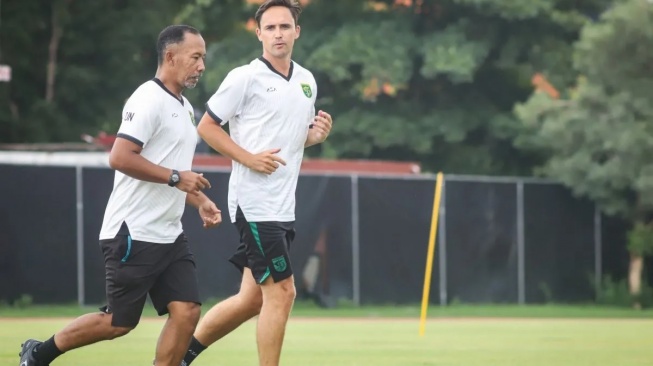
(265, 110)
(164, 127)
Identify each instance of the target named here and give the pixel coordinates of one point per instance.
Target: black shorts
(264, 248)
(135, 269)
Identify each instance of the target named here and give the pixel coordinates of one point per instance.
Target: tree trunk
(635, 278)
(53, 48)
(13, 108)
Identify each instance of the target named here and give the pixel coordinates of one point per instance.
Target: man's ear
(297, 31)
(170, 58)
(258, 34)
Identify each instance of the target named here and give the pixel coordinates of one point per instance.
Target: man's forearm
(221, 142)
(309, 142)
(136, 166)
(196, 200)
(311, 139)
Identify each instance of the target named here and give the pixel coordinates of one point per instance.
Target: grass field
(459, 335)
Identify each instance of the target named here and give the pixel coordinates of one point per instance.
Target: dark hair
(292, 5)
(172, 34)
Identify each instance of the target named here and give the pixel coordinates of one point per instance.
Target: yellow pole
(430, 253)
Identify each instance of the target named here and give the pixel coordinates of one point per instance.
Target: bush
(616, 293)
(24, 301)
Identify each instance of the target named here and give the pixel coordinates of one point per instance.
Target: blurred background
(539, 113)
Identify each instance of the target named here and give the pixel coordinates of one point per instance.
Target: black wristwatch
(174, 178)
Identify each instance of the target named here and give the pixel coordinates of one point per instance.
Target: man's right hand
(266, 162)
(191, 182)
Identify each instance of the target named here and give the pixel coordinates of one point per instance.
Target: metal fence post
(442, 244)
(598, 248)
(521, 264)
(355, 241)
(79, 191)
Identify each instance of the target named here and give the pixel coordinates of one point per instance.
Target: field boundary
(369, 319)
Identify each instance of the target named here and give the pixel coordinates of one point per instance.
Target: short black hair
(172, 34)
(292, 5)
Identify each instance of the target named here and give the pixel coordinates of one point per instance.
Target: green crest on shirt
(307, 90)
(192, 118)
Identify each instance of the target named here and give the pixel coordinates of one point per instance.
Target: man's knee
(194, 312)
(288, 289)
(114, 330)
(186, 311)
(283, 291)
(117, 332)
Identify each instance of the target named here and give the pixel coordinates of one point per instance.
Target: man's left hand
(321, 127)
(210, 214)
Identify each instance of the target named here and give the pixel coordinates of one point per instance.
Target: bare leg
(278, 299)
(88, 329)
(229, 314)
(175, 336)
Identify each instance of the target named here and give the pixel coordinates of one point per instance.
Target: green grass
(379, 342)
(308, 309)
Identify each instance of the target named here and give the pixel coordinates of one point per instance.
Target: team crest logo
(192, 118)
(307, 90)
(280, 263)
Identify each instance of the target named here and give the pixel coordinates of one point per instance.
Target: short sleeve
(139, 119)
(313, 99)
(311, 116)
(226, 102)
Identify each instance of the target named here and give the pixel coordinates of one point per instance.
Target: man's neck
(282, 65)
(172, 86)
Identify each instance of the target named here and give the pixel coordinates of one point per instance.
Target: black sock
(194, 349)
(46, 352)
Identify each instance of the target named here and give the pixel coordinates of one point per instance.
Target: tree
(433, 80)
(598, 139)
(74, 63)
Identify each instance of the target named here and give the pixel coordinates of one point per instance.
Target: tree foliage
(598, 139)
(104, 50)
(433, 81)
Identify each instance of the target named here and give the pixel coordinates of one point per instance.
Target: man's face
(188, 57)
(278, 32)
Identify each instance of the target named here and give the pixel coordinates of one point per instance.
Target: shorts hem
(162, 241)
(266, 219)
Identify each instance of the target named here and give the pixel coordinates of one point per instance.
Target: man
(145, 250)
(269, 104)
